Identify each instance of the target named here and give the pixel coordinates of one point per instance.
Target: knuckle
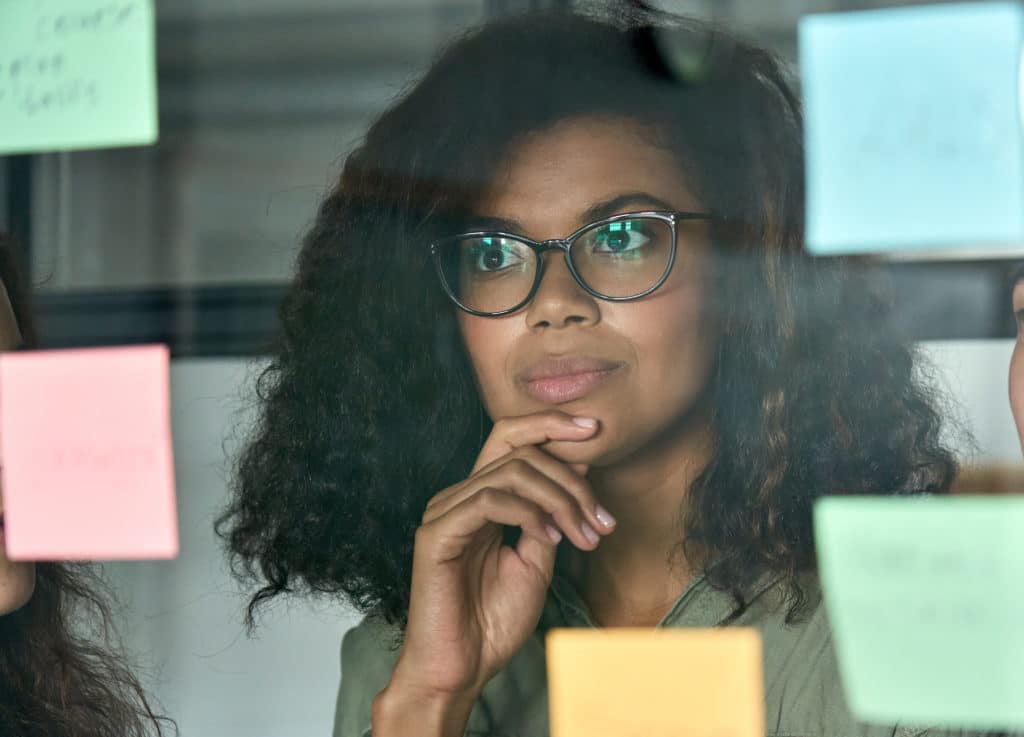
(488, 497)
(440, 496)
(519, 466)
(428, 510)
(423, 535)
(501, 425)
(527, 452)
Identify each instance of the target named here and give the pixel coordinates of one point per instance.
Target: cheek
(488, 343)
(674, 344)
(1017, 384)
(17, 583)
(681, 325)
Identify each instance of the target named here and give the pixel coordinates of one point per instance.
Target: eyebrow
(615, 204)
(597, 211)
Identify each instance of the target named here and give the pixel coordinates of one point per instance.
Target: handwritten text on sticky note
(913, 128)
(926, 598)
(656, 683)
(85, 446)
(76, 74)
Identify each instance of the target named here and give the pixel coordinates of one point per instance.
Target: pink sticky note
(85, 449)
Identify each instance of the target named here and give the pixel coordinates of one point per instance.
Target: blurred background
(191, 242)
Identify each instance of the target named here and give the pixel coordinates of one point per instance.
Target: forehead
(558, 173)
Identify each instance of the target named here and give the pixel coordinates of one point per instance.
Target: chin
(17, 583)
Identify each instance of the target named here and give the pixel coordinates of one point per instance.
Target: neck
(637, 573)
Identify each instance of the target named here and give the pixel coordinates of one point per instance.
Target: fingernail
(588, 422)
(555, 535)
(588, 532)
(604, 517)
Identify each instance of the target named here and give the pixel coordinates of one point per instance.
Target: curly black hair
(61, 674)
(369, 408)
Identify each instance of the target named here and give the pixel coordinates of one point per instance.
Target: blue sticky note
(925, 598)
(913, 128)
(76, 74)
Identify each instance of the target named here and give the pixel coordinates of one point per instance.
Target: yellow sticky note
(656, 683)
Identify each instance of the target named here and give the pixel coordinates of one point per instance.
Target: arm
(398, 712)
(373, 702)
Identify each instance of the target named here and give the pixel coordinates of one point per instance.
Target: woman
(55, 682)
(474, 449)
(1017, 358)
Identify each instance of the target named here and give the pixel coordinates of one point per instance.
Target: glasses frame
(671, 217)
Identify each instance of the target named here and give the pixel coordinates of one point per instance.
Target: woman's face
(17, 580)
(1017, 363)
(658, 348)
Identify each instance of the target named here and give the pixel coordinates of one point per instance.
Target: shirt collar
(700, 604)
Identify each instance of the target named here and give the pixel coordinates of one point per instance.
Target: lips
(556, 380)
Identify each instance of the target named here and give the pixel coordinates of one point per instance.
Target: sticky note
(85, 446)
(76, 74)
(926, 600)
(655, 683)
(913, 128)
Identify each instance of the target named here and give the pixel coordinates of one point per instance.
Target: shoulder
(373, 644)
(369, 652)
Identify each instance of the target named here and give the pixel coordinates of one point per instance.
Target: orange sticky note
(656, 683)
(85, 449)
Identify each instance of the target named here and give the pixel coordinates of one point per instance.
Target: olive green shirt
(803, 695)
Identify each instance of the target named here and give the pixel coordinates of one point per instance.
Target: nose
(560, 300)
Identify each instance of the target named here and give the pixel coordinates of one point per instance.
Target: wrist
(401, 710)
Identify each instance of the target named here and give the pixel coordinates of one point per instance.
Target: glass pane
(259, 103)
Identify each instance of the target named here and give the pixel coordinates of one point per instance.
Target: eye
(491, 255)
(618, 237)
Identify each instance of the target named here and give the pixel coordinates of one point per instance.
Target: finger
(563, 475)
(533, 429)
(509, 434)
(530, 475)
(539, 554)
(446, 538)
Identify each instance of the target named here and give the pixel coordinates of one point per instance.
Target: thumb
(538, 555)
(580, 468)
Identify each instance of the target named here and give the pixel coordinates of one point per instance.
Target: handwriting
(81, 459)
(108, 17)
(57, 66)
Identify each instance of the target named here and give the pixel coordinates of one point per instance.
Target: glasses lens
(486, 273)
(623, 258)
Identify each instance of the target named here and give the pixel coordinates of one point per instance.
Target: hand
(474, 600)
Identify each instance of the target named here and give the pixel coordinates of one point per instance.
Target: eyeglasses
(618, 259)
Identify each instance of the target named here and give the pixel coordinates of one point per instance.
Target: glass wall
(193, 241)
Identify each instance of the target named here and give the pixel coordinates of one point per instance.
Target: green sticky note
(76, 74)
(926, 600)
